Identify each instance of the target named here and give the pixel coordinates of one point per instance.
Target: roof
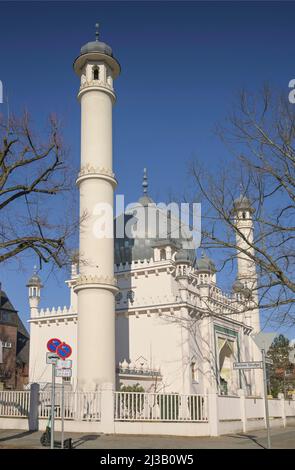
(21, 328)
(242, 202)
(158, 228)
(96, 46)
(205, 264)
(5, 303)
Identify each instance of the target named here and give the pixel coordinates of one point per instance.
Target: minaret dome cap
(243, 203)
(97, 50)
(97, 46)
(183, 256)
(205, 264)
(35, 280)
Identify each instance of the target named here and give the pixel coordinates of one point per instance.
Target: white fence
(134, 406)
(77, 405)
(240, 413)
(80, 406)
(15, 404)
(142, 413)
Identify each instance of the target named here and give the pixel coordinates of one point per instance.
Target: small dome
(238, 286)
(97, 46)
(35, 280)
(243, 203)
(145, 200)
(205, 264)
(183, 256)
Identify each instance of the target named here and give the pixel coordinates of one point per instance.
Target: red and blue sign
(63, 350)
(52, 344)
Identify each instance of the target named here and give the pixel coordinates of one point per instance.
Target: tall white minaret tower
(96, 285)
(247, 280)
(247, 276)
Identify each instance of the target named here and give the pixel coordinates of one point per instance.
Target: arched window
(95, 74)
(194, 372)
(130, 296)
(162, 254)
(118, 296)
(244, 215)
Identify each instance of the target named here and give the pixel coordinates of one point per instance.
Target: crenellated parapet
(89, 171)
(86, 281)
(56, 311)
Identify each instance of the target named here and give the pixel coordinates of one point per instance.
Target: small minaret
(96, 285)
(35, 287)
(182, 266)
(246, 277)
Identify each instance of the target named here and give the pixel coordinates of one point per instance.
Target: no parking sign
(52, 344)
(64, 350)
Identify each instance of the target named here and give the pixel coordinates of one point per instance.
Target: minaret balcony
(89, 281)
(88, 172)
(101, 85)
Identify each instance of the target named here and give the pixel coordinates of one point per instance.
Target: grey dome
(184, 256)
(145, 200)
(205, 264)
(161, 230)
(97, 46)
(243, 203)
(34, 281)
(141, 245)
(238, 286)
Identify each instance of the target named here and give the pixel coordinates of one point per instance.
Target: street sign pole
(265, 399)
(58, 355)
(52, 406)
(263, 341)
(62, 412)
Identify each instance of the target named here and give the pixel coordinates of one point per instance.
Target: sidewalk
(282, 438)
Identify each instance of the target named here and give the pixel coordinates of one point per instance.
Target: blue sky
(182, 65)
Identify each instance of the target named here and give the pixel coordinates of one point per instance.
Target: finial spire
(145, 181)
(96, 31)
(35, 269)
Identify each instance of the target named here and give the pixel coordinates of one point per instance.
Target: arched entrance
(227, 375)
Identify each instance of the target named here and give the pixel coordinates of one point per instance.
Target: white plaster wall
(158, 339)
(39, 371)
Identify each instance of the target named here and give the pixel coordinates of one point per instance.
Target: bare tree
(259, 135)
(32, 172)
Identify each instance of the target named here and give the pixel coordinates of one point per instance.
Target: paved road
(281, 439)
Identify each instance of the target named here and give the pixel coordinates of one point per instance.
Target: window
(130, 296)
(244, 215)
(95, 74)
(194, 372)
(118, 296)
(162, 254)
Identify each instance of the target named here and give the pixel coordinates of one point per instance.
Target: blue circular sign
(64, 350)
(52, 344)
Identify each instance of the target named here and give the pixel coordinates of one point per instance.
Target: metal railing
(137, 406)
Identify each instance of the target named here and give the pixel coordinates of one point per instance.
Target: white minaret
(247, 276)
(34, 285)
(247, 279)
(96, 285)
